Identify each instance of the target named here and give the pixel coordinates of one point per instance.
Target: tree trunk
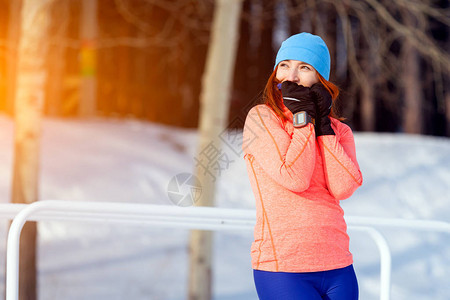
(368, 80)
(13, 36)
(295, 22)
(213, 117)
(56, 61)
(241, 95)
(31, 76)
(137, 98)
(88, 32)
(447, 113)
(412, 122)
(261, 55)
(330, 37)
(368, 106)
(124, 70)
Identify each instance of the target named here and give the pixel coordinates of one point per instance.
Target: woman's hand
(298, 98)
(323, 103)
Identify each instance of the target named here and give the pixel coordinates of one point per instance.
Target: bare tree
(401, 67)
(29, 93)
(411, 82)
(88, 33)
(385, 41)
(173, 36)
(13, 36)
(213, 118)
(60, 13)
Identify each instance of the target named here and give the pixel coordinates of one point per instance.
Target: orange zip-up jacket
(297, 181)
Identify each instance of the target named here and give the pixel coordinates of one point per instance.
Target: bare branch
(348, 37)
(421, 8)
(417, 38)
(113, 42)
(128, 16)
(439, 87)
(183, 16)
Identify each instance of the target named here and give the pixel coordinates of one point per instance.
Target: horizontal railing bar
(416, 224)
(79, 210)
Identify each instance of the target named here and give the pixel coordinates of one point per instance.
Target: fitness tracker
(300, 119)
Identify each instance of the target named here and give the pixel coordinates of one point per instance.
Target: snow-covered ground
(132, 161)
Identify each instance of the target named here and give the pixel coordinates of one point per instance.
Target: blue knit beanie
(307, 48)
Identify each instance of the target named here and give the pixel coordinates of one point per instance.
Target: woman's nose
(293, 76)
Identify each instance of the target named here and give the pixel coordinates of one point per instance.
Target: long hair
(272, 96)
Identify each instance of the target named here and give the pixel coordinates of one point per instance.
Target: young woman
(301, 162)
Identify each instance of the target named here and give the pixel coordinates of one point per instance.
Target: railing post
(12, 251)
(385, 260)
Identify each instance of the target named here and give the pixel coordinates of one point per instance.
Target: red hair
(272, 95)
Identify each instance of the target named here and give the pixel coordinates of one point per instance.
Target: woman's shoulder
(341, 127)
(261, 108)
(262, 112)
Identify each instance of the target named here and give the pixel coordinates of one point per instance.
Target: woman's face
(298, 72)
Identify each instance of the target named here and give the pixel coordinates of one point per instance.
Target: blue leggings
(339, 284)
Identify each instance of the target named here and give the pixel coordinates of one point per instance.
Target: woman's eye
(306, 68)
(283, 65)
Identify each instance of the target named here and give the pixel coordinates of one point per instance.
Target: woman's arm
(288, 160)
(342, 171)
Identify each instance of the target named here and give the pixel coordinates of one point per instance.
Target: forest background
(145, 59)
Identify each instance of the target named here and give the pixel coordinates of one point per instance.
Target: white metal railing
(202, 218)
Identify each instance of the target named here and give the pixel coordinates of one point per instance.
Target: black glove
(323, 102)
(298, 98)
